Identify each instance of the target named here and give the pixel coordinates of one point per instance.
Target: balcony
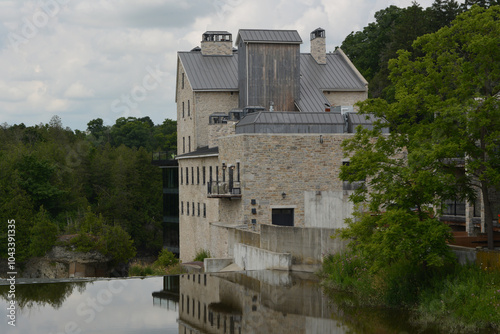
(223, 189)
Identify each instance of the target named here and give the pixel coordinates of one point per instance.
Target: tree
(447, 109)
(483, 3)
(43, 234)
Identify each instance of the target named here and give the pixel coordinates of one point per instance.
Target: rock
(66, 255)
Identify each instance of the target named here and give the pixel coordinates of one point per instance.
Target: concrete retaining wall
(252, 258)
(307, 245)
(486, 259)
(216, 265)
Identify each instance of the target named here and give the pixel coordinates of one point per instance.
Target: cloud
(78, 91)
(83, 55)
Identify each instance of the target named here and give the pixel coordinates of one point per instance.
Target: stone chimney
(217, 43)
(318, 46)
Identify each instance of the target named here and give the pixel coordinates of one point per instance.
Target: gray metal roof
(221, 73)
(274, 117)
(200, 152)
(291, 122)
(268, 36)
(336, 75)
(210, 72)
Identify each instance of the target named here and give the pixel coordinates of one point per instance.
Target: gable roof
(210, 72)
(337, 75)
(268, 36)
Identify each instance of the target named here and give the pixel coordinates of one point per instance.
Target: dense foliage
(454, 298)
(395, 29)
(99, 184)
(444, 122)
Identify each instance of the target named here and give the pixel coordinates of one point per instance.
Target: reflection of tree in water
(53, 294)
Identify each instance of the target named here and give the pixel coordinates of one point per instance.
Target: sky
(82, 60)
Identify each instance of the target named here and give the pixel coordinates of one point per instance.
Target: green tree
(447, 109)
(43, 234)
(133, 132)
(37, 178)
(116, 242)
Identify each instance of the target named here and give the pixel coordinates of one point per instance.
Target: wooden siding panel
(274, 75)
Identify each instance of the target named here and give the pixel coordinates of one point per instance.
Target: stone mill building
(260, 126)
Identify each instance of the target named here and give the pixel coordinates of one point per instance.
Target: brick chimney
(318, 46)
(217, 43)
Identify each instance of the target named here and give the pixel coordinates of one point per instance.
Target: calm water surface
(249, 302)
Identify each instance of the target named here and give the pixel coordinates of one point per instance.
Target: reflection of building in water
(254, 302)
(169, 297)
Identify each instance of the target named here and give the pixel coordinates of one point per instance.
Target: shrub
(166, 259)
(202, 254)
(83, 242)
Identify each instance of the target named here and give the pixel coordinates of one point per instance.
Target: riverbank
(454, 298)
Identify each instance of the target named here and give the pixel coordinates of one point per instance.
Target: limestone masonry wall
(273, 164)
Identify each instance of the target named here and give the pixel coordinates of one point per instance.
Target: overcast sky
(107, 59)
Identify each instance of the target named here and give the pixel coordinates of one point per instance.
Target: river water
(247, 302)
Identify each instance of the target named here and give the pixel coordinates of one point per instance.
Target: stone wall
(318, 50)
(216, 131)
(213, 48)
(185, 121)
(194, 228)
(207, 103)
(273, 164)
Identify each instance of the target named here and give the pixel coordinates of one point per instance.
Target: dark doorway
(283, 217)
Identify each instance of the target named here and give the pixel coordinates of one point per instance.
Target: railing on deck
(222, 189)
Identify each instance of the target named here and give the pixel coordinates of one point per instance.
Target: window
(197, 175)
(182, 84)
(198, 209)
(204, 210)
(193, 208)
(187, 208)
(182, 207)
(189, 144)
(192, 175)
(181, 175)
(189, 109)
(182, 109)
(187, 175)
(282, 217)
(238, 171)
(204, 179)
(183, 144)
(210, 175)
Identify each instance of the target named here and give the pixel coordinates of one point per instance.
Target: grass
(142, 269)
(166, 264)
(455, 298)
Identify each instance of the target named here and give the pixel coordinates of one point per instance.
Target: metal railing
(223, 188)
